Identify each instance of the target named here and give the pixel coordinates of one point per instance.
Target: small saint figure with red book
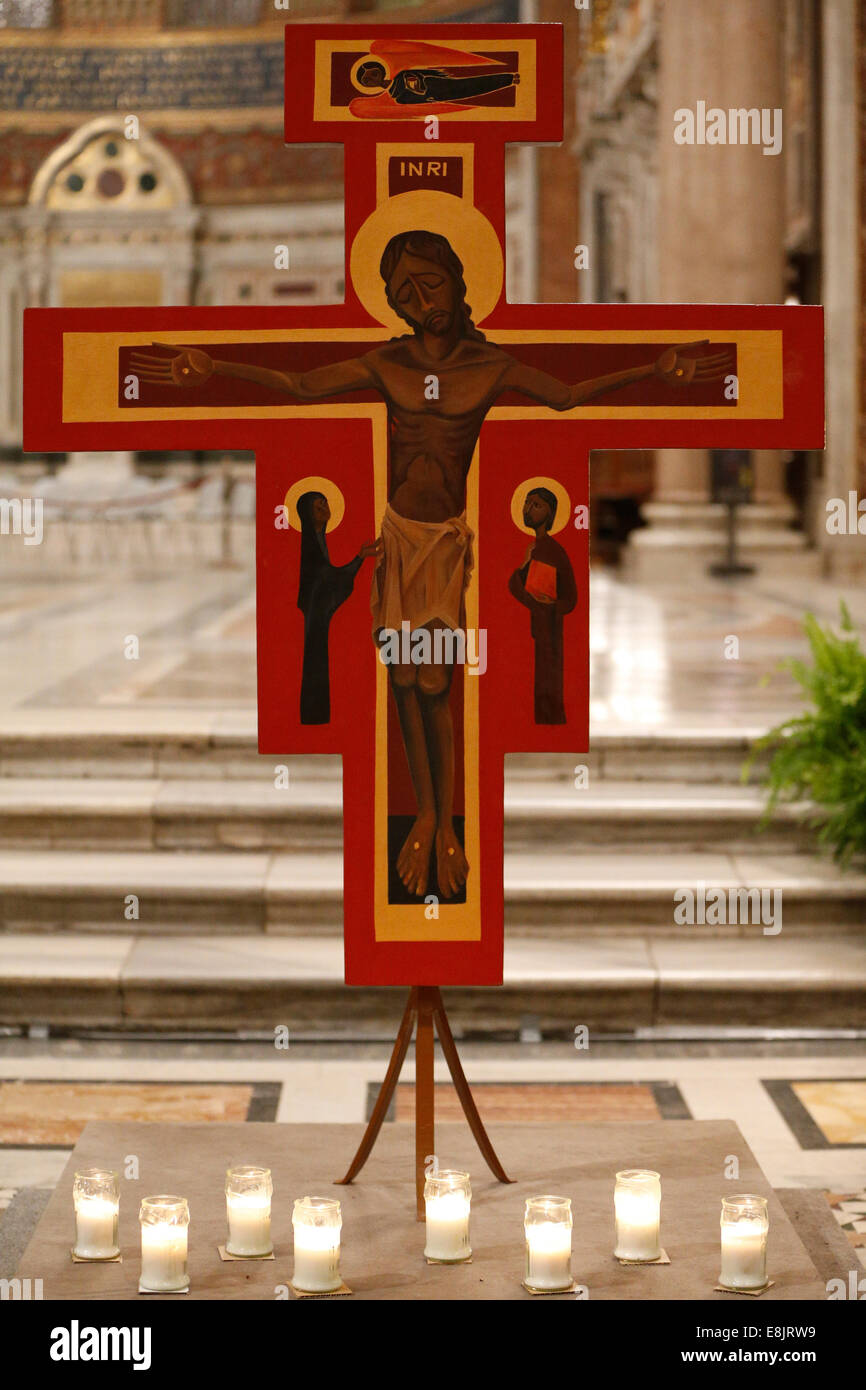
(545, 585)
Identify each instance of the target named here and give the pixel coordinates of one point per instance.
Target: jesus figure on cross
(438, 383)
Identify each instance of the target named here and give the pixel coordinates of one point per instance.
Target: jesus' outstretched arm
(671, 367)
(191, 367)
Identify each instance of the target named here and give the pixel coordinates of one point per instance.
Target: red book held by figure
(541, 580)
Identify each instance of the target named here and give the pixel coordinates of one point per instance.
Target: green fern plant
(821, 755)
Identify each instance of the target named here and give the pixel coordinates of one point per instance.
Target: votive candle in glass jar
(547, 1226)
(316, 1222)
(96, 1198)
(637, 1203)
(447, 1200)
(745, 1224)
(248, 1210)
(164, 1244)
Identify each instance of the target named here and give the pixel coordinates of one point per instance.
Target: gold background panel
(524, 108)
(90, 371)
(759, 372)
(90, 374)
(457, 921)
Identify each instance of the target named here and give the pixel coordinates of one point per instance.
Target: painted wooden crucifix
(428, 442)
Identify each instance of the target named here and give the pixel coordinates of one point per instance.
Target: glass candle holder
(164, 1243)
(317, 1222)
(547, 1227)
(96, 1199)
(637, 1203)
(447, 1199)
(248, 1210)
(745, 1225)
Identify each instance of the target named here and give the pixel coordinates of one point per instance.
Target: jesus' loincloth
(422, 572)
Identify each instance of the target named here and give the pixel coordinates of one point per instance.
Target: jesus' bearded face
(424, 294)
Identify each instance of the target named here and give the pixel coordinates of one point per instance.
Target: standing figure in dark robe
(545, 585)
(322, 588)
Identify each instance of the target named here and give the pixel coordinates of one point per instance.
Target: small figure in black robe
(545, 585)
(322, 588)
(421, 86)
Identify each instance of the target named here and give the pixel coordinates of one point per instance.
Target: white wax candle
(637, 1225)
(163, 1257)
(744, 1260)
(549, 1255)
(317, 1258)
(249, 1221)
(95, 1228)
(448, 1227)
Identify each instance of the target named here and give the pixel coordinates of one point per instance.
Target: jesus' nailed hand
(431, 443)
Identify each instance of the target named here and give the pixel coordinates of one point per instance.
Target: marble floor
(64, 646)
(800, 1107)
(658, 655)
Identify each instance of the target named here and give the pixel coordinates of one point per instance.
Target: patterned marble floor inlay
(52, 1114)
(823, 1114)
(849, 1210)
(550, 1103)
(839, 1107)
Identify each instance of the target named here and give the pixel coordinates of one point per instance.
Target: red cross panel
(422, 458)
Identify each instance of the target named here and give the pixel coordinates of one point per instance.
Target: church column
(558, 201)
(721, 207)
(844, 272)
(720, 240)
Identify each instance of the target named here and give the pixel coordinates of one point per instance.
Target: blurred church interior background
(141, 777)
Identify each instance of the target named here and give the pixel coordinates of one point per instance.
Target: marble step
(160, 744)
(148, 813)
(126, 981)
(634, 815)
(117, 813)
(621, 893)
(300, 894)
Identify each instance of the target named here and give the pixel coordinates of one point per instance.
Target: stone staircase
(239, 900)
